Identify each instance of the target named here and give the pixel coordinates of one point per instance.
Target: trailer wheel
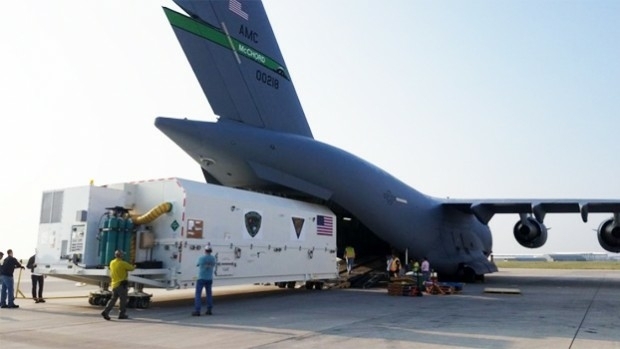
(131, 302)
(291, 284)
(91, 300)
(281, 284)
(318, 285)
(309, 285)
(146, 302)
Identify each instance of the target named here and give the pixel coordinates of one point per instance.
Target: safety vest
(349, 252)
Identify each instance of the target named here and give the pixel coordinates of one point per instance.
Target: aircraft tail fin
(235, 56)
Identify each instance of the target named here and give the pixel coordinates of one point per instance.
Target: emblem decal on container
(252, 222)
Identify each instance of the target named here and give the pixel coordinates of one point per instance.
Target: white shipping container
(256, 238)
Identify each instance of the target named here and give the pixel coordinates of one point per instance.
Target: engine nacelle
(609, 235)
(530, 234)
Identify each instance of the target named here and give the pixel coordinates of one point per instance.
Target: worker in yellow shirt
(118, 273)
(349, 256)
(394, 265)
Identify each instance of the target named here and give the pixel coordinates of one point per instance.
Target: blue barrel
(127, 237)
(112, 241)
(103, 240)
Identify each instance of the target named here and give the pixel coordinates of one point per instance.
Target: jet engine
(609, 235)
(531, 233)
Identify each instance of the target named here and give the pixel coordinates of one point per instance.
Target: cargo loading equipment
(163, 226)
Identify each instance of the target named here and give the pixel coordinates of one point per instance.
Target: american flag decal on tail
(235, 6)
(324, 225)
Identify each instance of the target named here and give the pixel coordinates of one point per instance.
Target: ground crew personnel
(37, 280)
(206, 263)
(349, 256)
(8, 267)
(416, 267)
(426, 269)
(394, 265)
(119, 284)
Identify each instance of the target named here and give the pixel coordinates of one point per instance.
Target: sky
(461, 99)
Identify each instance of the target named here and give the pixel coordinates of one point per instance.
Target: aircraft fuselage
(240, 156)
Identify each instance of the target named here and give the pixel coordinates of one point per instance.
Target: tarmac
(554, 309)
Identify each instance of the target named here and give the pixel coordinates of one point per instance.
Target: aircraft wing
(234, 54)
(485, 209)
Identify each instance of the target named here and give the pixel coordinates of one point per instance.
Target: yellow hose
(150, 216)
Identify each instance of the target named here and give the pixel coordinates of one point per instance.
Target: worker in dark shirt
(8, 267)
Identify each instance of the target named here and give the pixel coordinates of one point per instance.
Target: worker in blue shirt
(205, 265)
